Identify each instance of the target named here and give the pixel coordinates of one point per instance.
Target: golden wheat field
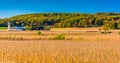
(78, 47)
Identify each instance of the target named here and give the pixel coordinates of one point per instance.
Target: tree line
(62, 20)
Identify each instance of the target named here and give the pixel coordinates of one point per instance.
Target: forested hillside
(62, 20)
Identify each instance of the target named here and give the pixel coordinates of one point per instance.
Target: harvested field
(55, 51)
(69, 35)
(78, 47)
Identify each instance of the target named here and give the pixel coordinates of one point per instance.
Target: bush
(60, 37)
(105, 32)
(119, 33)
(118, 26)
(105, 27)
(39, 33)
(46, 28)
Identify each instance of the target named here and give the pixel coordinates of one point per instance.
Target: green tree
(29, 27)
(105, 27)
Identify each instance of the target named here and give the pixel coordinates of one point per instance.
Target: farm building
(15, 28)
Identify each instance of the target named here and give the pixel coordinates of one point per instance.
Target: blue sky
(10, 8)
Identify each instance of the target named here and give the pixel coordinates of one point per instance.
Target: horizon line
(56, 12)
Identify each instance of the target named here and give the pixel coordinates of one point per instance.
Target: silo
(9, 25)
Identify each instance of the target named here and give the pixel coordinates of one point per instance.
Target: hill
(63, 20)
